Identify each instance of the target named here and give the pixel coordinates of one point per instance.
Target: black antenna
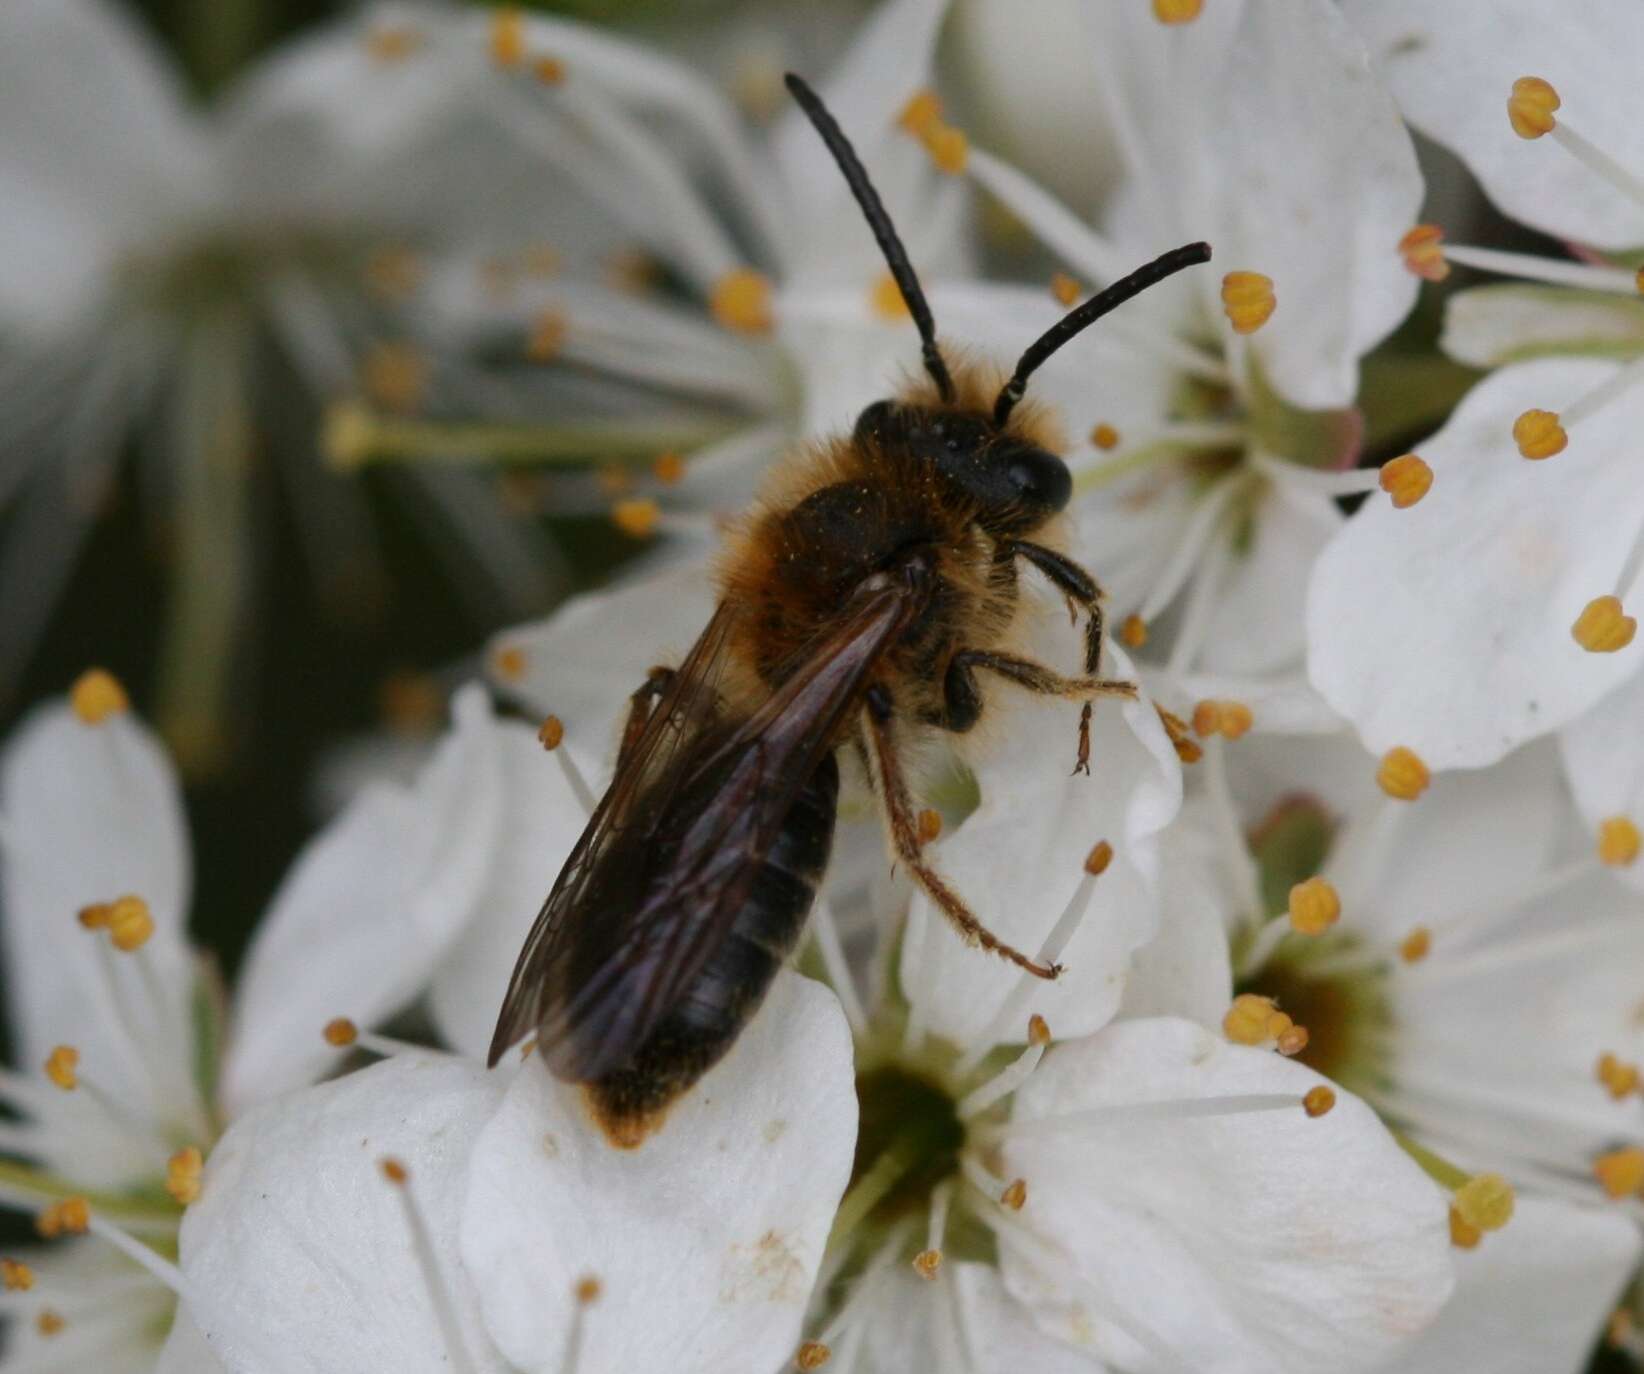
(884, 232)
(1082, 316)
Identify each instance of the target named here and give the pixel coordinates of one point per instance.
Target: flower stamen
(422, 1245)
(552, 736)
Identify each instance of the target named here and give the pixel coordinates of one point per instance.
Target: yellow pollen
(886, 299)
(1402, 774)
(741, 300)
(1530, 107)
(669, 468)
(15, 1276)
(926, 1263)
(392, 43)
(1106, 438)
(1406, 480)
(70, 1217)
(509, 663)
(1134, 630)
(1485, 1201)
(1602, 628)
(1463, 1235)
(1100, 856)
(1423, 251)
(1293, 1041)
(394, 375)
(1314, 907)
(1416, 945)
(1620, 1173)
(394, 1171)
(1619, 1077)
(1015, 1194)
(948, 147)
(1228, 718)
(97, 695)
(1247, 1019)
(588, 1290)
(1319, 1100)
(130, 923)
(1248, 300)
(1278, 1022)
(1065, 289)
(812, 1355)
(183, 1175)
(548, 70)
(930, 825)
(1538, 434)
(1038, 1030)
(95, 916)
(922, 113)
(637, 519)
(340, 1032)
(547, 337)
(507, 37)
(1618, 842)
(551, 733)
(1177, 11)
(49, 1323)
(60, 1066)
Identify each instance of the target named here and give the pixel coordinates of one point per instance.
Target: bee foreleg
(640, 705)
(962, 699)
(902, 830)
(1074, 583)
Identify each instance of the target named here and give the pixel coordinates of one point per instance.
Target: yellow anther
(1620, 1173)
(1485, 1201)
(1015, 1194)
(637, 519)
(97, 695)
(49, 1323)
(1100, 856)
(886, 298)
(1618, 842)
(548, 70)
(812, 1355)
(547, 337)
(1402, 774)
(509, 663)
(69, 1217)
(340, 1032)
(1038, 1030)
(394, 375)
(922, 113)
(1278, 1022)
(1406, 480)
(1602, 628)
(1293, 1041)
(1422, 249)
(392, 42)
(15, 1276)
(183, 1175)
(948, 147)
(1617, 1076)
(1065, 289)
(507, 36)
(930, 825)
(588, 1290)
(1106, 438)
(741, 300)
(669, 468)
(1228, 718)
(95, 916)
(1248, 300)
(1177, 11)
(1247, 1019)
(1133, 632)
(927, 1263)
(1318, 1100)
(1463, 1235)
(130, 923)
(1531, 105)
(394, 1171)
(551, 733)
(1416, 946)
(1314, 907)
(1539, 434)
(60, 1067)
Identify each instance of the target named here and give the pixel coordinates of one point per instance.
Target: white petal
(187, 1351)
(1260, 1242)
(368, 911)
(705, 1239)
(299, 1251)
(1604, 759)
(1410, 613)
(1532, 1297)
(1280, 704)
(541, 820)
(1019, 858)
(1452, 67)
(1490, 326)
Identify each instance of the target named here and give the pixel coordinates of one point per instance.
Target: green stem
(899, 1159)
(1436, 1167)
(23, 1186)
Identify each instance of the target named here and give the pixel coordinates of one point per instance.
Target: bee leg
(639, 709)
(890, 787)
(963, 699)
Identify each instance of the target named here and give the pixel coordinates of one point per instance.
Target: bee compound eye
(1040, 479)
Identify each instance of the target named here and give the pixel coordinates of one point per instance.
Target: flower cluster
(1345, 1063)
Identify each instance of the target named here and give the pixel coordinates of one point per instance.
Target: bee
(862, 601)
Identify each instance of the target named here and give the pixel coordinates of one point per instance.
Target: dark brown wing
(655, 884)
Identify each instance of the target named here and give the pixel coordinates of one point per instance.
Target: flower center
(1331, 988)
(909, 1138)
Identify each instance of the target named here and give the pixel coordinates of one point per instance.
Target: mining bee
(861, 598)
